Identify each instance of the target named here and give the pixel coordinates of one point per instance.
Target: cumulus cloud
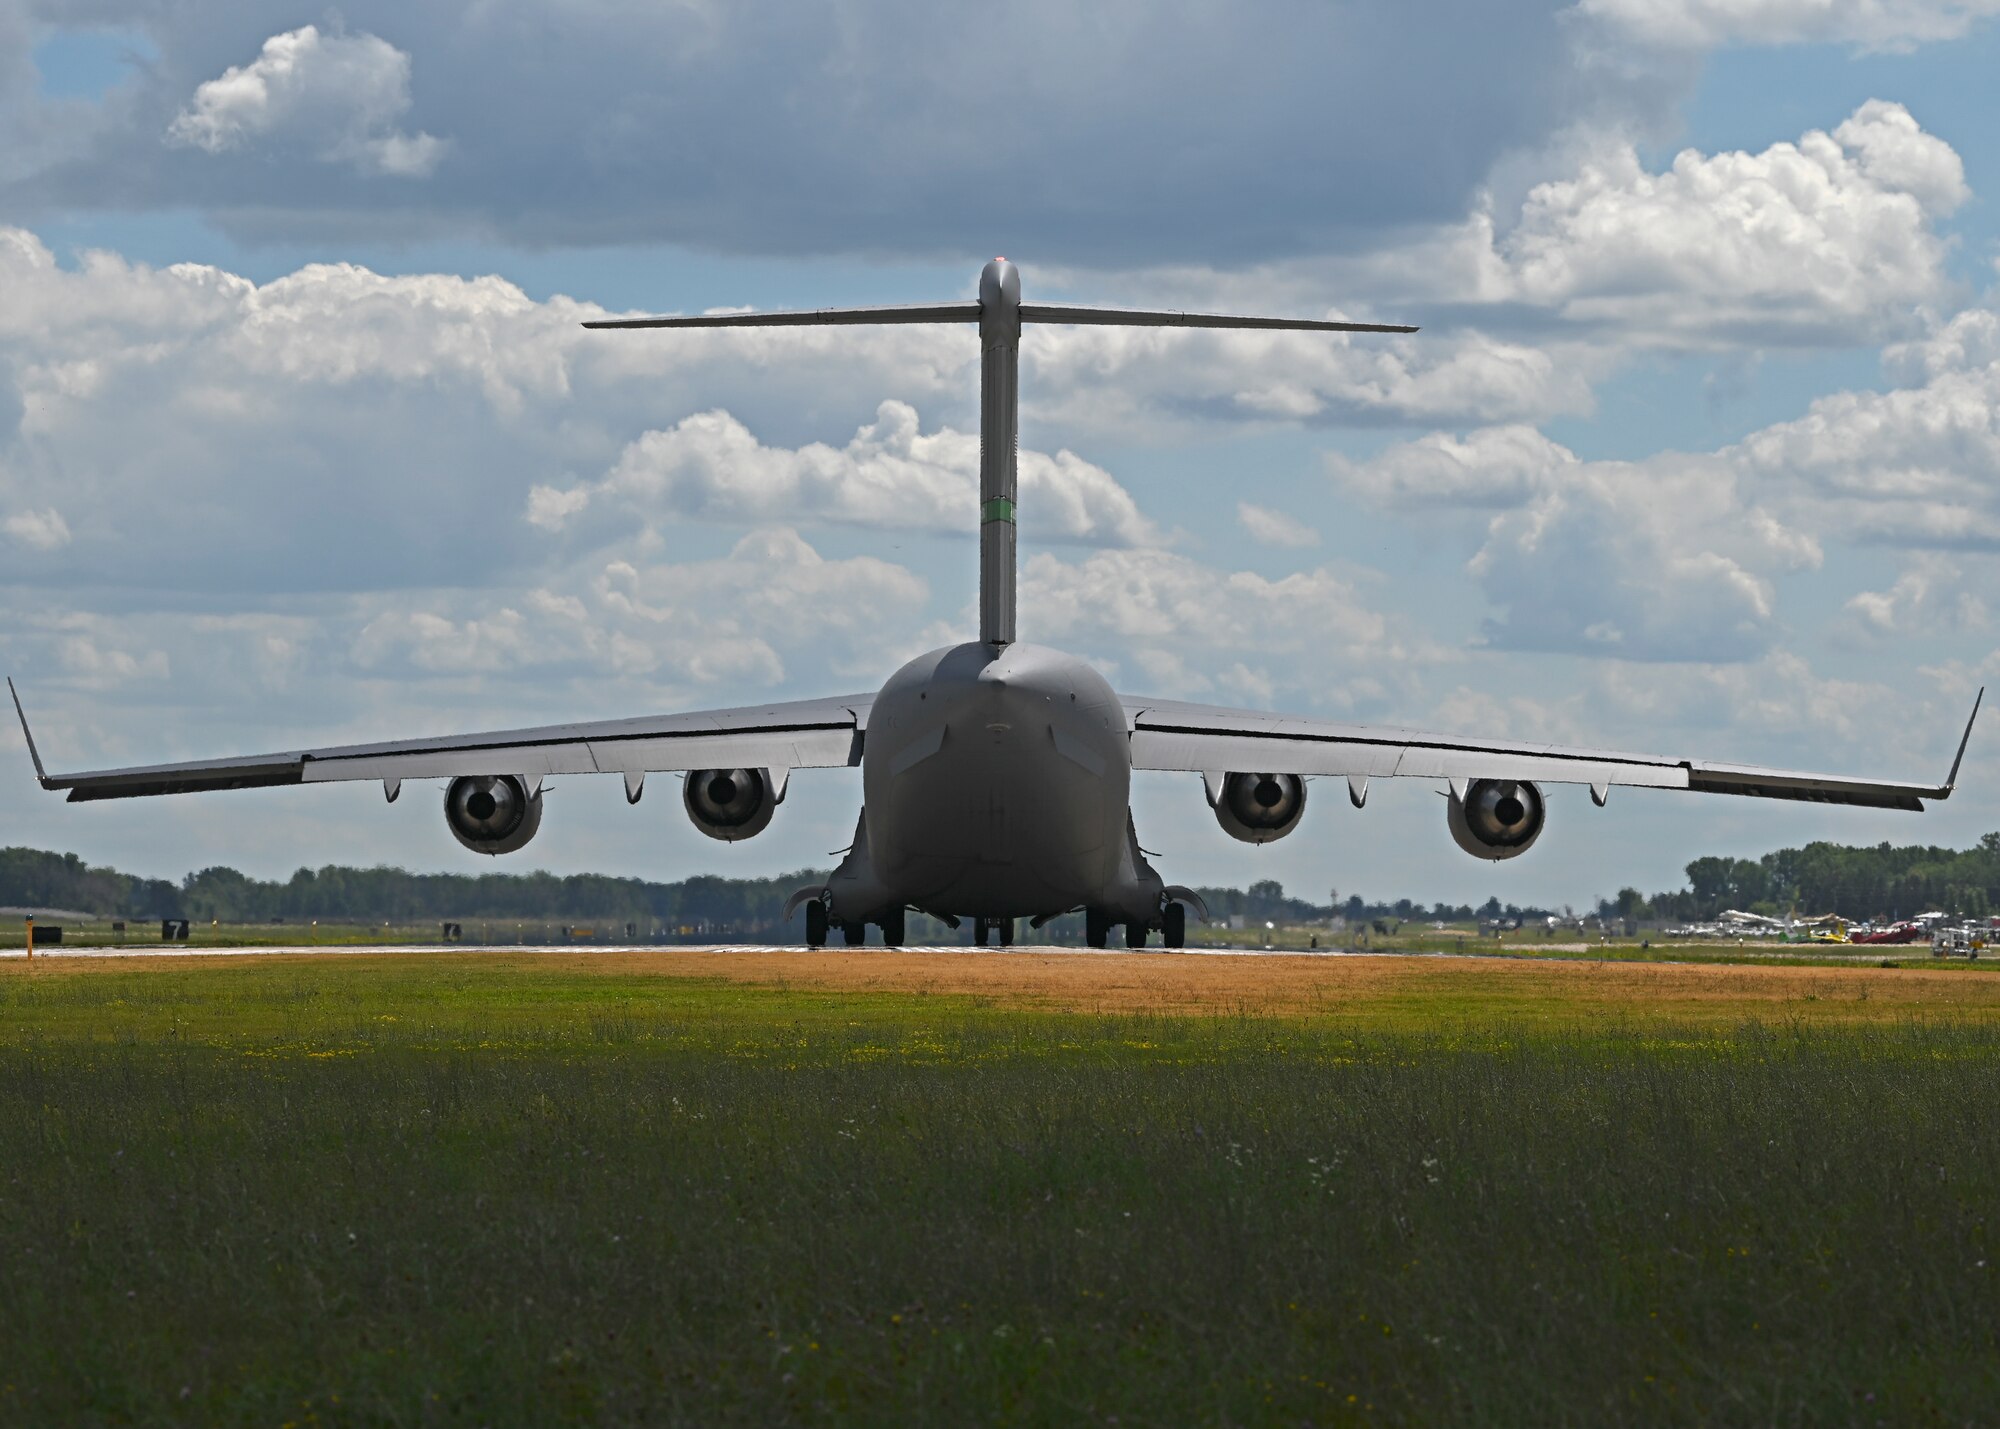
(726, 622)
(1917, 466)
(891, 475)
(1830, 239)
(1708, 24)
(1170, 622)
(1498, 467)
(1666, 559)
(1932, 595)
(1676, 556)
(1827, 235)
(340, 96)
(1113, 377)
(1275, 528)
(45, 530)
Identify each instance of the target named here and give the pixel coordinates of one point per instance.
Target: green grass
(445, 1192)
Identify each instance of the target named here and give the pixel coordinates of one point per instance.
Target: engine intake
(730, 804)
(1258, 808)
(492, 813)
(1497, 818)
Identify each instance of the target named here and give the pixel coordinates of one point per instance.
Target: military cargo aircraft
(995, 774)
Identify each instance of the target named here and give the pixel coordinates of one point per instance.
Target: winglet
(41, 774)
(1951, 779)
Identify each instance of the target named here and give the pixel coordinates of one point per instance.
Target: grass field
(951, 1188)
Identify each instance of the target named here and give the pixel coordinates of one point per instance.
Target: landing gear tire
(815, 924)
(892, 929)
(1096, 928)
(978, 932)
(1135, 935)
(855, 935)
(1006, 927)
(1173, 925)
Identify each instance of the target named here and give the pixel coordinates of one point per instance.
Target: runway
(1539, 953)
(170, 950)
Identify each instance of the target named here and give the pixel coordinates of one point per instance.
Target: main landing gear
(1173, 928)
(819, 924)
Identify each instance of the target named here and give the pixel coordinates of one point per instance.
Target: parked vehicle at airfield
(996, 773)
(1894, 933)
(1964, 941)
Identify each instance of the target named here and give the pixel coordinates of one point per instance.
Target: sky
(1697, 453)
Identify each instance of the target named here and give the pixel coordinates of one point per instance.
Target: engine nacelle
(731, 804)
(1497, 818)
(492, 813)
(1258, 808)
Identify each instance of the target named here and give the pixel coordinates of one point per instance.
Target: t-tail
(1000, 314)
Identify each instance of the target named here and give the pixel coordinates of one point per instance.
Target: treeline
(1885, 881)
(35, 879)
(32, 878)
(1879, 882)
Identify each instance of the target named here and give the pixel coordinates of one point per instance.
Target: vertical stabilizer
(999, 446)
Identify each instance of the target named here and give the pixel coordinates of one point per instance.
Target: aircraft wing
(803, 734)
(1211, 740)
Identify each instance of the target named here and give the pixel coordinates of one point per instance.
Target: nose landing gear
(984, 928)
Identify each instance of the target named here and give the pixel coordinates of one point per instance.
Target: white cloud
(1174, 618)
(1497, 468)
(891, 475)
(45, 530)
(1119, 378)
(1667, 559)
(1678, 556)
(1934, 593)
(1275, 528)
(1912, 466)
(1829, 238)
(1662, 560)
(339, 95)
(1708, 24)
(697, 625)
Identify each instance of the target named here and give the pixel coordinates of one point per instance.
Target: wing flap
(1203, 751)
(1204, 739)
(805, 734)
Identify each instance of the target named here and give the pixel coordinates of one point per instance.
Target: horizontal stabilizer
(967, 312)
(1133, 317)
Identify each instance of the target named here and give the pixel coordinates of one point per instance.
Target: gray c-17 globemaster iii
(996, 775)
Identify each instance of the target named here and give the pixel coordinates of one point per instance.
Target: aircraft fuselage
(996, 783)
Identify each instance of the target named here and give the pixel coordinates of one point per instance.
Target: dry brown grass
(1376, 990)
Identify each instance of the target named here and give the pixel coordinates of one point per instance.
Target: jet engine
(492, 813)
(1257, 808)
(730, 804)
(1497, 818)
